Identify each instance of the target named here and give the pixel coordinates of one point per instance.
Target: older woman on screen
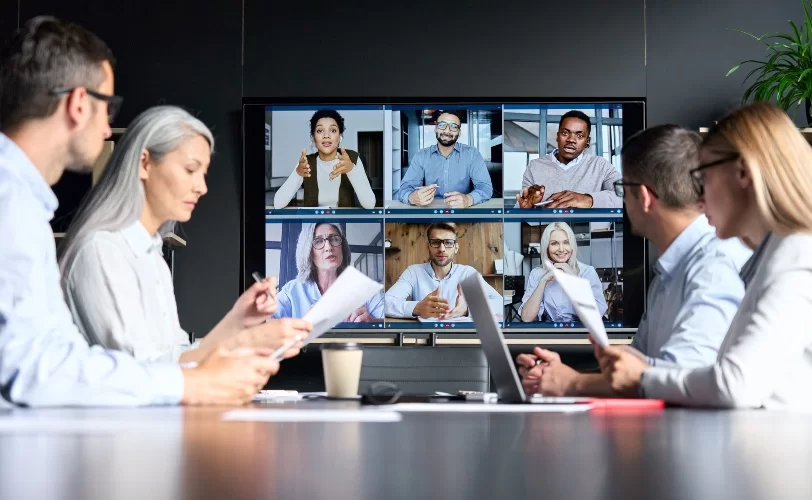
(543, 297)
(116, 282)
(332, 176)
(322, 253)
(755, 183)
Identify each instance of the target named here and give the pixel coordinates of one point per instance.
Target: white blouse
(328, 189)
(120, 293)
(765, 360)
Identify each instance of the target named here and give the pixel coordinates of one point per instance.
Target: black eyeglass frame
(114, 102)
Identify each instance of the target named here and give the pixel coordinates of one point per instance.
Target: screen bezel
(252, 213)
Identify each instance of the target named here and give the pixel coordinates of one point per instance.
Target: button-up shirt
(453, 173)
(693, 298)
(119, 290)
(44, 360)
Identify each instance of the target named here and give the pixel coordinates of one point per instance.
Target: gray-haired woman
(116, 283)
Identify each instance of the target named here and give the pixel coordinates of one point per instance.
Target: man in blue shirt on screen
(56, 104)
(697, 289)
(432, 290)
(446, 170)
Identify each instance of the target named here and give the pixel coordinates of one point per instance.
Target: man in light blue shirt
(446, 170)
(56, 104)
(432, 290)
(697, 289)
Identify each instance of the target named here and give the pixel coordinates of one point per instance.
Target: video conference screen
(420, 196)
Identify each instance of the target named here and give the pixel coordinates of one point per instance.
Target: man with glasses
(56, 104)
(432, 290)
(697, 288)
(446, 170)
(570, 177)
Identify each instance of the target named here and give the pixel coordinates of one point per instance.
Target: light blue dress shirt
(44, 360)
(566, 166)
(463, 166)
(555, 302)
(419, 280)
(295, 298)
(693, 298)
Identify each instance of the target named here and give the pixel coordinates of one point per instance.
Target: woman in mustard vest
(332, 177)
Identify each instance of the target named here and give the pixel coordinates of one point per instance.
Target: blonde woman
(756, 184)
(543, 297)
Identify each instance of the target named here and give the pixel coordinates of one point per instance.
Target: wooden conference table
(190, 453)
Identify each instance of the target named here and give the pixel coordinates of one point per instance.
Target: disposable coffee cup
(342, 369)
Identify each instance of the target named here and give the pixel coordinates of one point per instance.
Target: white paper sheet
(351, 290)
(579, 291)
(458, 319)
(268, 415)
(486, 408)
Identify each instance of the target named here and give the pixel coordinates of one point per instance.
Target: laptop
(508, 384)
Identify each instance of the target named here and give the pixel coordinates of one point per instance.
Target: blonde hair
(545, 244)
(779, 161)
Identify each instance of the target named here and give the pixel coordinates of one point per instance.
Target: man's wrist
(469, 200)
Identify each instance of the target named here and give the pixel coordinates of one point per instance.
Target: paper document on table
(458, 319)
(579, 291)
(350, 291)
(487, 408)
(281, 415)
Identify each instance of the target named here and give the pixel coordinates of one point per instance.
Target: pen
(258, 278)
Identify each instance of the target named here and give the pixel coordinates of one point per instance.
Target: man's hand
(557, 378)
(570, 199)
(228, 377)
(421, 197)
(623, 369)
(460, 306)
(530, 196)
(344, 165)
(432, 306)
(458, 200)
(303, 168)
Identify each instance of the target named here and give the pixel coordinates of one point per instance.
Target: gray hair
(662, 157)
(304, 251)
(117, 200)
(545, 244)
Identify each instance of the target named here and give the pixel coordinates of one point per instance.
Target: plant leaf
(734, 68)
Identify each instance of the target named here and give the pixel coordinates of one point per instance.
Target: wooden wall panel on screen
(480, 244)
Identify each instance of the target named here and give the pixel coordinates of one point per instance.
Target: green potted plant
(786, 73)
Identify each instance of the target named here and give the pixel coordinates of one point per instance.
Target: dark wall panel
(8, 19)
(186, 54)
(690, 49)
(547, 49)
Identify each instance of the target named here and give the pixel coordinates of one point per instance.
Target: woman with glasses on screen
(116, 283)
(322, 253)
(755, 183)
(332, 176)
(544, 299)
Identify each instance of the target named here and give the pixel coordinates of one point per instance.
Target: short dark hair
(436, 115)
(662, 157)
(442, 226)
(45, 54)
(326, 113)
(577, 114)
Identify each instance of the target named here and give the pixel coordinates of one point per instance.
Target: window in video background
(414, 129)
(289, 132)
(411, 261)
(292, 254)
(530, 131)
(597, 254)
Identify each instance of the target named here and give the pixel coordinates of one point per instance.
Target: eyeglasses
(113, 101)
(335, 241)
(620, 188)
(444, 125)
(435, 243)
(698, 174)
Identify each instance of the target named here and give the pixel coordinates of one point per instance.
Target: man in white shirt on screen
(697, 289)
(56, 105)
(432, 290)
